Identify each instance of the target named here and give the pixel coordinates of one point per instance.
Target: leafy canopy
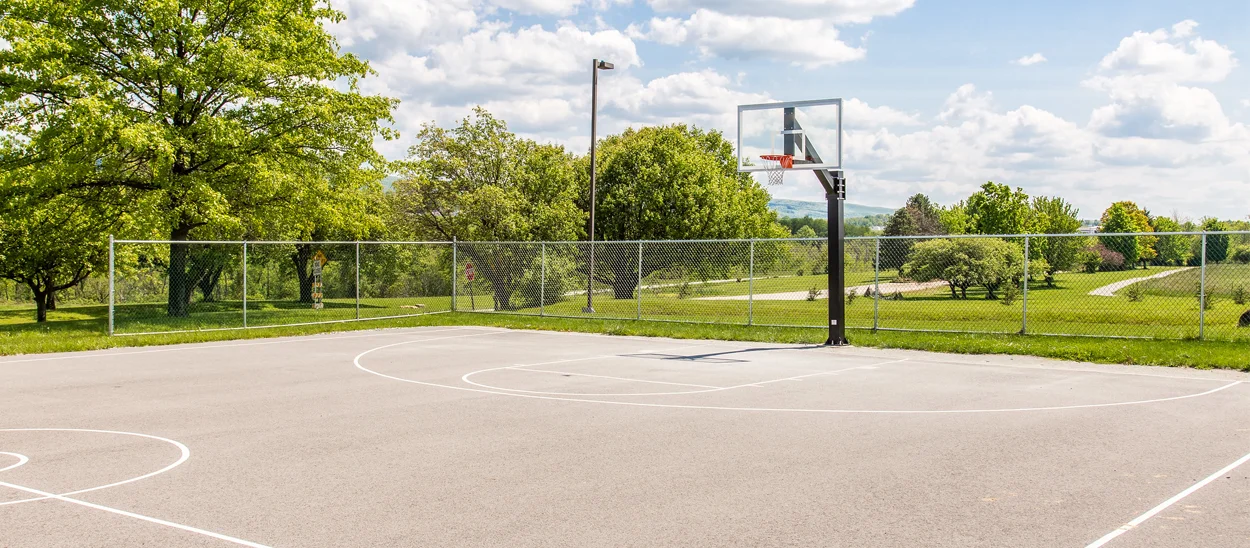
(996, 209)
(222, 110)
(677, 182)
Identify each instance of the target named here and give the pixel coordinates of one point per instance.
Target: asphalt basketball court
(488, 437)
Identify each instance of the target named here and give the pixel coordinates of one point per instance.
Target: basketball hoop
(775, 166)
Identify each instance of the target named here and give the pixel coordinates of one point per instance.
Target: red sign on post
(468, 271)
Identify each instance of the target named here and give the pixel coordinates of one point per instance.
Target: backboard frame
(832, 164)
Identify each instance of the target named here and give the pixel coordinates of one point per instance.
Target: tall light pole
(596, 66)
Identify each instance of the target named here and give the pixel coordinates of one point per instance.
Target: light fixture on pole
(597, 66)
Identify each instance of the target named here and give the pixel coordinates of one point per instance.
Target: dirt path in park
(1109, 290)
(886, 288)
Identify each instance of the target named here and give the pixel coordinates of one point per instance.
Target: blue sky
(1144, 100)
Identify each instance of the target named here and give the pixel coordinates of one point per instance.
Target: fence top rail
(281, 242)
(727, 240)
(1063, 235)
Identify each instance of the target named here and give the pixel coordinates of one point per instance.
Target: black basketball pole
(835, 198)
(837, 256)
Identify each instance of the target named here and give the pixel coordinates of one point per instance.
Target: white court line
(186, 454)
(21, 459)
(104, 353)
(157, 521)
(1165, 504)
(356, 362)
(519, 368)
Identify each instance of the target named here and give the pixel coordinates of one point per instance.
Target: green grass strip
(73, 331)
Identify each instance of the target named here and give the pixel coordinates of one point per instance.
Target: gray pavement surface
(489, 437)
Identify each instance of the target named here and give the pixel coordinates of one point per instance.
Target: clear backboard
(809, 132)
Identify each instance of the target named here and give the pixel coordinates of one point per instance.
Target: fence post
(111, 286)
(542, 283)
(358, 279)
(1202, 292)
(1024, 326)
(751, 286)
(455, 267)
(244, 284)
(876, 287)
(638, 286)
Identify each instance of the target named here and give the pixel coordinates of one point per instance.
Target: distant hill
(817, 210)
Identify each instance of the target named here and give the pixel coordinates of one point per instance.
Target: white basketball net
(776, 175)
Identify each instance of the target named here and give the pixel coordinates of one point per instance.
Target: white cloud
(838, 11)
(385, 26)
(1143, 77)
(1160, 56)
(539, 7)
(746, 29)
(1030, 60)
(1184, 29)
(859, 115)
(715, 34)
(1245, 103)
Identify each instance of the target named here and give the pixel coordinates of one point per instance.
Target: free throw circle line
(356, 362)
(158, 521)
(21, 459)
(186, 453)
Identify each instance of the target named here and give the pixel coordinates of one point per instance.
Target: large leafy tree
(479, 182)
(1174, 249)
(1217, 244)
(918, 217)
(51, 245)
(216, 111)
(996, 209)
(674, 182)
(1055, 216)
(964, 263)
(1141, 223)
(1118, 220)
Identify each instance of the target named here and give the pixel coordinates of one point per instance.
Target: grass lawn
(83, 328)
(1066, 309)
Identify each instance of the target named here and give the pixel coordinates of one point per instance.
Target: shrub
(684, 290)
(1209, 302)
(898, 296)
(1240, 295)
(1111, 260)
(1135, 293)
(1011, 292)
(1242, 255)
(1091, 260)
(1244, 321)
(813, 293)
(799, 273)
(850, 297)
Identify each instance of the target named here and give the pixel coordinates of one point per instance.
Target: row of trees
(246, 121)
(998, 209)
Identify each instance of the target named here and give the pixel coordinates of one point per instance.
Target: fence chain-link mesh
(1165, 285)
(179, 286)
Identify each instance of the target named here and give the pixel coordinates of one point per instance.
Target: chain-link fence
(1156, 285)
(184, 286)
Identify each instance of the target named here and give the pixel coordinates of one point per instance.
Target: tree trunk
(503, 297)
(302, 256)
(208, 282)
(41, 302)
(623, 288)
(178, 297)
(51, 300)
(954, 295)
